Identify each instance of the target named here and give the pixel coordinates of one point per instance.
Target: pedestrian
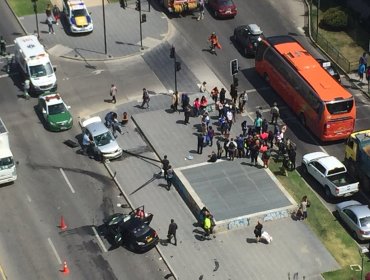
(26, 88)
(113, 93)
(361, 71)
(258, 231)
(2, 46)
(56, 14)
(363, 59)
(244, 128)
(266, 154)
(304, 205)
(185, 101)
(231, 148)
(368, 74)
(265, 126)
(115, 125)
(210, 134)
(203, 87)
(222, 95)
(259, 112)
(229, 118)
(187, 111)
(172, 228)
(169, 177)
(48, 12)
(292, 154)
(207, 224)
(165, 165)
(254, 151)
(214, 94)
(243, 99)
(124, 118)
(175, 100)
(196, 107)
(220, 108)
(146, 98)
(219, 148)
(50, 24)
(233, 93)
(257, 124)
(212, 157)
(201, 10)
(200, 143)
(275, 113)
(203, 103)
(240, 146)
(87, 142)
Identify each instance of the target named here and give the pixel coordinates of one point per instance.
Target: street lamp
(105, 34)
(177, 64)
(34, 2)
(362, 251)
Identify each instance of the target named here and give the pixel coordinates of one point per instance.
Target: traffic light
(122, 4)
(178, 66)
(172, 52)
(234, 67)
(138, 5)
(143, 18)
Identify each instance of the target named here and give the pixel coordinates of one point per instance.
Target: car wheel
(327, 192)
(131, 247)
(304, 169)
(245, 52)
(302, 119)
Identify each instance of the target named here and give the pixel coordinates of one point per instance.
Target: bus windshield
(41, 70)
(340, 107)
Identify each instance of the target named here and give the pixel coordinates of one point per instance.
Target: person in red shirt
(203, 103)
(196, 105)
(213, 39)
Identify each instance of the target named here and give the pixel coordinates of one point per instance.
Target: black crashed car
(131, 231)
(328, 66)
(247, 37)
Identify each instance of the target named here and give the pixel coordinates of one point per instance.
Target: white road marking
(4, 76)
(10, 45)
(55, 251)
(66, 179)
(99, 240)
(2, 273)
(29, 198)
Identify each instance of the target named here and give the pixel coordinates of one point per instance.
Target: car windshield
(340, 107)
(103, 139)
(41, 70)
(225, 2)
(6, 163)
(79, 13)
(57, 109)
(365, 221)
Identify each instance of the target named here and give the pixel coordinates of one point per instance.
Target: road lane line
(55, 251)
(2, 273)
(66, 179)
(99, 240)
(28, 198)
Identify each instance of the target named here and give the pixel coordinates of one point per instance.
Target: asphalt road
(54, 181)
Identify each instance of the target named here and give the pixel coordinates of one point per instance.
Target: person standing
(200, 143)
(258, 231)
(56, 14)
(113, 93)
(210, 135)
(207, 224)
(361, 71)
(165, 165)
(146, 98)
(201, 10)
(233, 93)
(219, 148)
(196, 106)
(363, 59)
(187, 111)
(48, 12)
(203, 87)
(275, 113)
(26, 88)
(175, 101)
(243, 98)
(169, 177)
(222, 96)
(304, 204)
(50, 24)
(214, 94)
(254, 151)
(172, 228)
(257, 124)
(86, 144)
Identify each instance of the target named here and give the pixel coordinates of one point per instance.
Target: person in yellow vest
(207, 226)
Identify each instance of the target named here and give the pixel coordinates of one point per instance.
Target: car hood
(109, 148)
(62, 117)
(315, 155)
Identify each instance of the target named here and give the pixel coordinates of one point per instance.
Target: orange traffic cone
(65, 269)
(63, 225)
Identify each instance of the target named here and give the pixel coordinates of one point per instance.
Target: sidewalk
(364, 86)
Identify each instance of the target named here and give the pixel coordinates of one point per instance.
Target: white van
(35, 64)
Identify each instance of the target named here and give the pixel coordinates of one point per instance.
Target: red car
(222, 8)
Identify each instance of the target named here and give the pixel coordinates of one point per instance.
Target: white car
(78, 17)
(102, 137)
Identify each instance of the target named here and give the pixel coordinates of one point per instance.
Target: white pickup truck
(330, 173)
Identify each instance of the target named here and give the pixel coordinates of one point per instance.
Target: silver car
(357, 217)
(103, 138)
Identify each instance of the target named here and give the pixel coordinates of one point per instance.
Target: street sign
(234, 67)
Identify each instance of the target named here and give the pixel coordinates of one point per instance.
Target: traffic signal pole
(138, 8)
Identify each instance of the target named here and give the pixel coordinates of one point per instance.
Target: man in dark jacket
(172, 228)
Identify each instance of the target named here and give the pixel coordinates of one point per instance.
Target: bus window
(340, 107)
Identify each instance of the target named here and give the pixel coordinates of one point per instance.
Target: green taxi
(55, 112)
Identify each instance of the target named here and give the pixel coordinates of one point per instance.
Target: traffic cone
(65, 269)
(63, 225)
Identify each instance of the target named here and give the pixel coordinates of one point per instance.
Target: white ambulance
(35, 64)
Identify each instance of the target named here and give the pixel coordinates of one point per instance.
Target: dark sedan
(131, 231)
(222, 8)
(247, 38)
(327, 65)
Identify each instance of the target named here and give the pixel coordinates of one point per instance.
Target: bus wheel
(302, 119)
(266, 77)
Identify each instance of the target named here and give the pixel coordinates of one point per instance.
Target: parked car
(330, 173)
(77, 16)
(327, 65)
(247, 38)
(131, 231)
(357, 217)
(102, 137)
(54, 112)
(222, 8)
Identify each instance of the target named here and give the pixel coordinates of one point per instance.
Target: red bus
(321, 104)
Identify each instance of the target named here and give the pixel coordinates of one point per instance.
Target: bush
(334, 19)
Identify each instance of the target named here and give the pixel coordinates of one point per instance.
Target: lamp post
(138, 8)
(177, 64)
(105, 33)
(34, 2)
(317, 19)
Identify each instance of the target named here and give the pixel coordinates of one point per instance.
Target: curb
(173, 274)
